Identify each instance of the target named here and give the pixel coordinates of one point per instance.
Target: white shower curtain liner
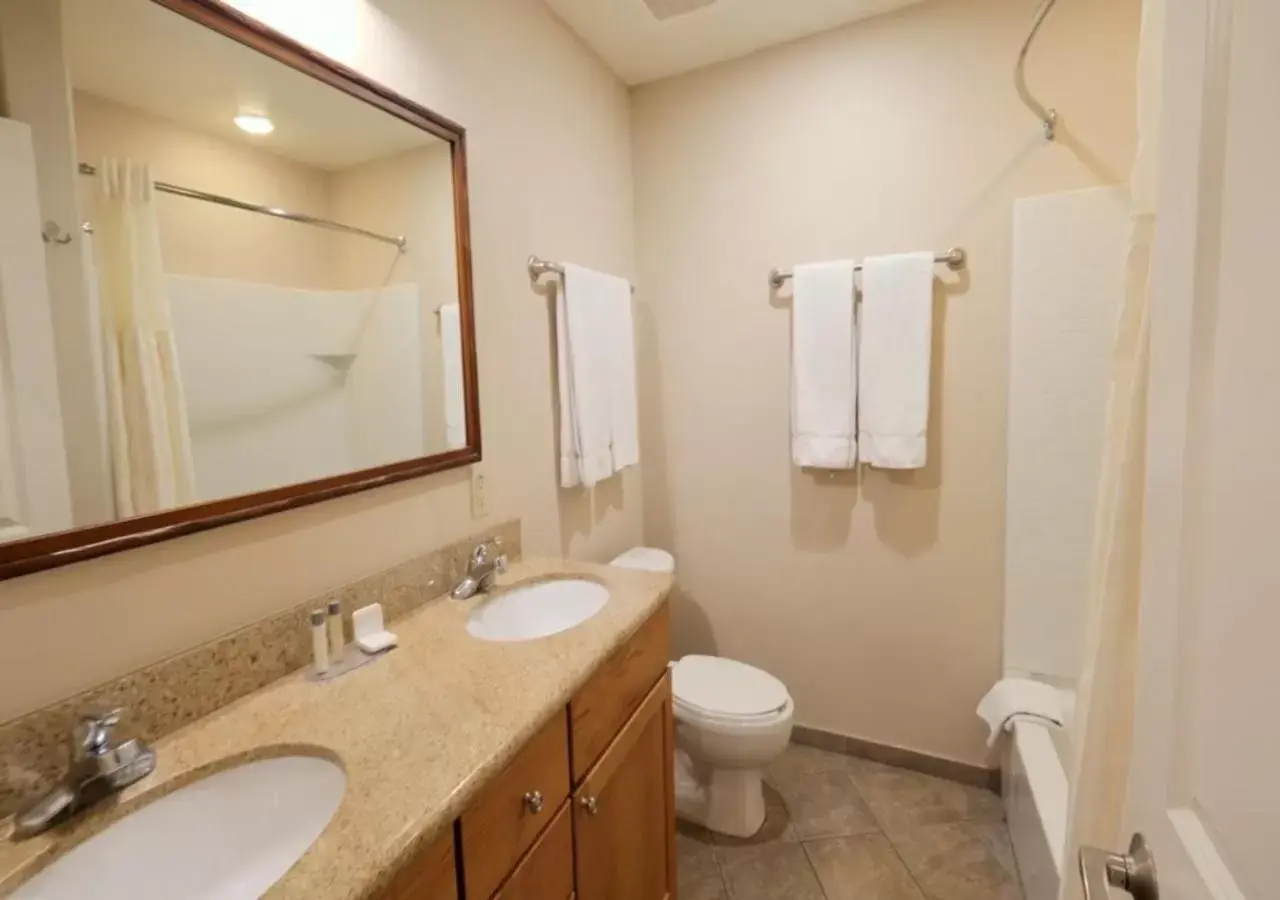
(1103, 738)
(148, 432)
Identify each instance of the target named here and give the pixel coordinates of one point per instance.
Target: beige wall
(550, 174)
(879, 604)
(203, 238)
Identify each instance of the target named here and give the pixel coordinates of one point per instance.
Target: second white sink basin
(537, 611)
(226, 837)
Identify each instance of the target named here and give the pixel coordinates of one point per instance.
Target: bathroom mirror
(234, 278)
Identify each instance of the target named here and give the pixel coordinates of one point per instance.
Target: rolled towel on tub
(1014, 699)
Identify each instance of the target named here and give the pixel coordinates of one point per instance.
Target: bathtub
(1035, 796)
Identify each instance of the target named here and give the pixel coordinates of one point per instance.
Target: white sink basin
(537, 611)
(226, 837)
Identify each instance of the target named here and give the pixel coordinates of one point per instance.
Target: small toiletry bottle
(337, 641)
(319, 642)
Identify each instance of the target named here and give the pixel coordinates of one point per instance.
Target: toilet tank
(648, 559)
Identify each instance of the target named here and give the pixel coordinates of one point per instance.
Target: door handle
(1134, 872)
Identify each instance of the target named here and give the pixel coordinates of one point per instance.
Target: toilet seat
(725, 691)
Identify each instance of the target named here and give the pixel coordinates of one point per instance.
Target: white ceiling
(639, 47)
(140, 54)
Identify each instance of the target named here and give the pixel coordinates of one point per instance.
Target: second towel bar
(539, 267)
(955, 259)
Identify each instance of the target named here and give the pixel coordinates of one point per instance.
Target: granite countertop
(418, 732)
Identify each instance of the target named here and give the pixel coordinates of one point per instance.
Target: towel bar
(539, 267)
(955, 259)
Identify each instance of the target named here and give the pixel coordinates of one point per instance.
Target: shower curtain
(1102, 742)
(148, 433)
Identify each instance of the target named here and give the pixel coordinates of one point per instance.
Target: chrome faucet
(486, 565)
(98, 770)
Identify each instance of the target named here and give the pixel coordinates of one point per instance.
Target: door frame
(1184, 302)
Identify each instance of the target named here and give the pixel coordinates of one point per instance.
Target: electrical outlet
(479, 494)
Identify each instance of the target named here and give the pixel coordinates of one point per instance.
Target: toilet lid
(647, 559)
(725, 687)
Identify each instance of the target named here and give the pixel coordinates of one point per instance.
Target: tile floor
(840, 828)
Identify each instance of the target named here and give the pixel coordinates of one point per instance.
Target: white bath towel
(824, 367)
(894, 358)
(1014, 699)
(620, 347)
(455, 415)
(596, 367)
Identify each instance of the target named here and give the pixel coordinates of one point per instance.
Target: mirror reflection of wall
(203, 348)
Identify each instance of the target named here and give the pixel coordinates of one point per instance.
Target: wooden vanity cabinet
(624, 811)
(586, 809)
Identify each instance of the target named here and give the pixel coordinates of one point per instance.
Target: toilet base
(732, 803)
(727, 801)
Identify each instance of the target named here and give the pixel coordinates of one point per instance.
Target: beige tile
(825, 804)
(768, 872)
(952, 862)
(861, 867)
(902, 800)
(800, 759)
(995, 835)
(697, 872)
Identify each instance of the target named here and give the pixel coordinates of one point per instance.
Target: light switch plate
(479, 494)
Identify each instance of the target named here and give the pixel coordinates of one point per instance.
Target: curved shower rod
(1047, 117)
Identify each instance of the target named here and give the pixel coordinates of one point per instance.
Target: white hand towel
(1015, 699)
(620, 350)
(824, 367)
(586, 340)
(894, 359)
(455, 416)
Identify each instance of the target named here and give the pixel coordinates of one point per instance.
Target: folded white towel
(1015, 699)
(455, 416)
(824, 367)
(596, 368)
(894, 359)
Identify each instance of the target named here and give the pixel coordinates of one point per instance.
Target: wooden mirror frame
(62, 548)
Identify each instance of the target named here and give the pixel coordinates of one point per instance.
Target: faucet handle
(92, 735)
(485, 550)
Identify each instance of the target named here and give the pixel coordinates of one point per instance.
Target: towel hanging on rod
(954, 259)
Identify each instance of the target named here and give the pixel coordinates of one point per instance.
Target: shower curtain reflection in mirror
(147, 429)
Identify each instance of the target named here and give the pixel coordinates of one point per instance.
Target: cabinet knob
(591, 805)
(533, 802)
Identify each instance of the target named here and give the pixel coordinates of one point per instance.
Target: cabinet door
(624, 812)
(546, 873)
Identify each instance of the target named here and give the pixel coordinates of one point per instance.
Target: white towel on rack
(1020, 699)
(824, 367)
(455, 416)
(596, 368)
(620, 347)
(894, 360)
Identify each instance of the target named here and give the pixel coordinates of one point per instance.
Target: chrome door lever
(1133, 873)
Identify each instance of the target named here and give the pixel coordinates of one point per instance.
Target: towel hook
(1047, 117)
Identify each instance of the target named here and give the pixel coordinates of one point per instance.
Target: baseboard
(940, 767)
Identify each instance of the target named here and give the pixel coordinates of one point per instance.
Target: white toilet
(732, 720)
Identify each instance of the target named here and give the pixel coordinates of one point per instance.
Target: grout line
(804, 848)
(724, 882)
(893, 845)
